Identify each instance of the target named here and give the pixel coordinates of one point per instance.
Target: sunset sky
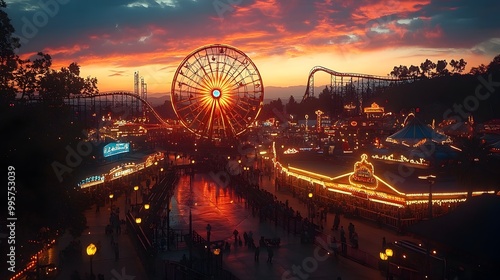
(111, 39)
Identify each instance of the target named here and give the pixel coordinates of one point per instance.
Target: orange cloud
(65, 51)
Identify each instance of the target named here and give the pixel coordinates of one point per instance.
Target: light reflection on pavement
(225, 212)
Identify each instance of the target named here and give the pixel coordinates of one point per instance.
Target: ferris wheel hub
(216, 93)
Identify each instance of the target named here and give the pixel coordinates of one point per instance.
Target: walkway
(226, 212)
(128, 263)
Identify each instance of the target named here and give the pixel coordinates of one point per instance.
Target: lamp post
(311, 214)
(431, 179)
(111, 201)
(91, 250)
(385, 256)
(136, 188)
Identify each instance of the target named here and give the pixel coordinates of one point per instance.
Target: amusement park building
(396, 184)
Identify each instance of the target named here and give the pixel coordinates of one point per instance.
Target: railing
(207, 265)
(146, 251)
(175, 270)
(394, 223)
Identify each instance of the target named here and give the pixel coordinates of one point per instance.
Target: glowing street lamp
(111, 200)
(138, 220)
(136, 188)
(91, 250)
(146, 206)
(385, 256)
(310, 206)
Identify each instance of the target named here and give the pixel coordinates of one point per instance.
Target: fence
(177, 271)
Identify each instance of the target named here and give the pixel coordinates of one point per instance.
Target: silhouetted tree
(458, 66)
(8, 56)
(400, 71)
(57, 85)
(277, 104)
(494, 65)
(325, 100)
(413, 71)
(29, 74)
(291, 106)
(479, 70)
(427, 66)
(441, 68)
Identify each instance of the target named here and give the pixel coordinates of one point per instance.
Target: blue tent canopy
(414, 132)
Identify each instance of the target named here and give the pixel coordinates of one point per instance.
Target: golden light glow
(138, 220)
(310, 173)
(386, 202)
(146, 206)
(383, 256)
(136, 188)
(388, 252)
(91, 249)
(111, 196)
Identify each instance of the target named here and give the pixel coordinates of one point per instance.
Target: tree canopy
(8, 57)
(33, 75)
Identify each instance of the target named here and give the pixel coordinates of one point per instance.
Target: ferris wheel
(217, 92)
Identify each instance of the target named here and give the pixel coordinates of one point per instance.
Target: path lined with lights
(224, 212)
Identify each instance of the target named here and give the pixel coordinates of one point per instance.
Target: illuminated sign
(374, 108)
(363, 175)
(90, 181)
(290, 151)
(114, 148)
(401, 159)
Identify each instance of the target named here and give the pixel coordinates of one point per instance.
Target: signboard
(114, 148)
(363, 175)
(90, 181)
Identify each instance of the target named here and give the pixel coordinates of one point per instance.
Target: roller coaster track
(130, 94)
(310, 81)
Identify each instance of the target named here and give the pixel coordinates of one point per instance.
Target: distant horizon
(270, 93)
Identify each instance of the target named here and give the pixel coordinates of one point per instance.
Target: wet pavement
(225, 212)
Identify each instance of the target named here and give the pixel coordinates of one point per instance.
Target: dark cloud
(79, 30)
